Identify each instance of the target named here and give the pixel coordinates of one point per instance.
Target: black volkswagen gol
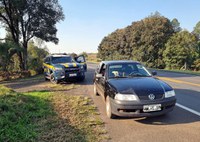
(130, 90)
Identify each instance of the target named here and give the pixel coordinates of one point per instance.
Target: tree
(180, 50)
(113, 45)
(176, 25)
(148, 38)
(7, 50)
(197, 30)
(143, 41)
(26, 19)
(36, 56)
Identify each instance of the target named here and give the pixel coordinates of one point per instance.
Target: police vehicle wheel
(45, 78)
(53, 80)
(109, 108)
(82, 78)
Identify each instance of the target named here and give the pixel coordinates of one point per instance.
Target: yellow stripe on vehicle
(178, 81)
(49, 66)
(66, 65)
(74, 64)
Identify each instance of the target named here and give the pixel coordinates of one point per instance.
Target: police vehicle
(63, 67)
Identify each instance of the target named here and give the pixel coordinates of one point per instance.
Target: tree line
(23, 21)
(155, 41)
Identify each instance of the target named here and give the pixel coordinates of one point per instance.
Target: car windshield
(128, 70)
(57, 60)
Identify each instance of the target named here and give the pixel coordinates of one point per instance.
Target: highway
(181, 125)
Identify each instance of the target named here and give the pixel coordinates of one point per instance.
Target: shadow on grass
(31, 117)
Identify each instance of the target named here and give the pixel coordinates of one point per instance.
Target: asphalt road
(181, 125)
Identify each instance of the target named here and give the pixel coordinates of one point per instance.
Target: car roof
(118, 61)
(59, 55)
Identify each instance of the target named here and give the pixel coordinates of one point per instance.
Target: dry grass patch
(83, 117)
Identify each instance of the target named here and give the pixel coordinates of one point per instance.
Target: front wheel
(82, 78)
(109, 109)
(53, 79)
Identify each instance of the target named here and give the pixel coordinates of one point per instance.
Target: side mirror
(154, 73)
(99, 75)
(80, 59)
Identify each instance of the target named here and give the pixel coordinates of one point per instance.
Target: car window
(57, 60)
(80, 59)
(103, 69)
(127, 70)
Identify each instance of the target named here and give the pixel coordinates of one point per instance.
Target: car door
(81, 59)
(101, 80)
(46, 67)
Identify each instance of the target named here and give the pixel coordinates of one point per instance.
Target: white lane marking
(188, 109)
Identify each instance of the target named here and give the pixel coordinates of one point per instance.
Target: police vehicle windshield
(58, 60)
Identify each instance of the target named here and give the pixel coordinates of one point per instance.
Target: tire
(53, 80)
(45, 78)
(82, 78)
(95, 90)
(109, 109)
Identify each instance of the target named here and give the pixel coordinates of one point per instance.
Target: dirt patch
(37, 83)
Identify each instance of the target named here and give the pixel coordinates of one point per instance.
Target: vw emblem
(151, 96)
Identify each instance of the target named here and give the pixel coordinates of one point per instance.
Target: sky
(88, 21)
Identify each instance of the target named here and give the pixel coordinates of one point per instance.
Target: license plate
(149, 108)
(72, 75)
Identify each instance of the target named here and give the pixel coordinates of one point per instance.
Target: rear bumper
(135, 109)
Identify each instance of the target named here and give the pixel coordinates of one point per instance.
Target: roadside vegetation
(92, 57)
(155, 41)
(9, 61)
(48, 116)
(25, 22)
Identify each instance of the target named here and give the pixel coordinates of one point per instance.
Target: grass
(180, 71)
(48, 116)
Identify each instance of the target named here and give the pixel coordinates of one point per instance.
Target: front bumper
(135, 108)
(71, 75)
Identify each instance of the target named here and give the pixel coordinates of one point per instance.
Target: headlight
(169, 94)
(58, 69)
(125, 97)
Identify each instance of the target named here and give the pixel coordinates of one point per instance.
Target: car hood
(139, 85)
(67, 65)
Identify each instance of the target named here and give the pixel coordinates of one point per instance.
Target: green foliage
(143, 41)
(176, 25)
(7, 52)
(196, 65)
(35, 58)
(114, 46)
(181, 50)
(22, 114)
(26, 19)
(48, 116)
(197, 29)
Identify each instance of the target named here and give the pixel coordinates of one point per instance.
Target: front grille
(145, 95)
(72, 69)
